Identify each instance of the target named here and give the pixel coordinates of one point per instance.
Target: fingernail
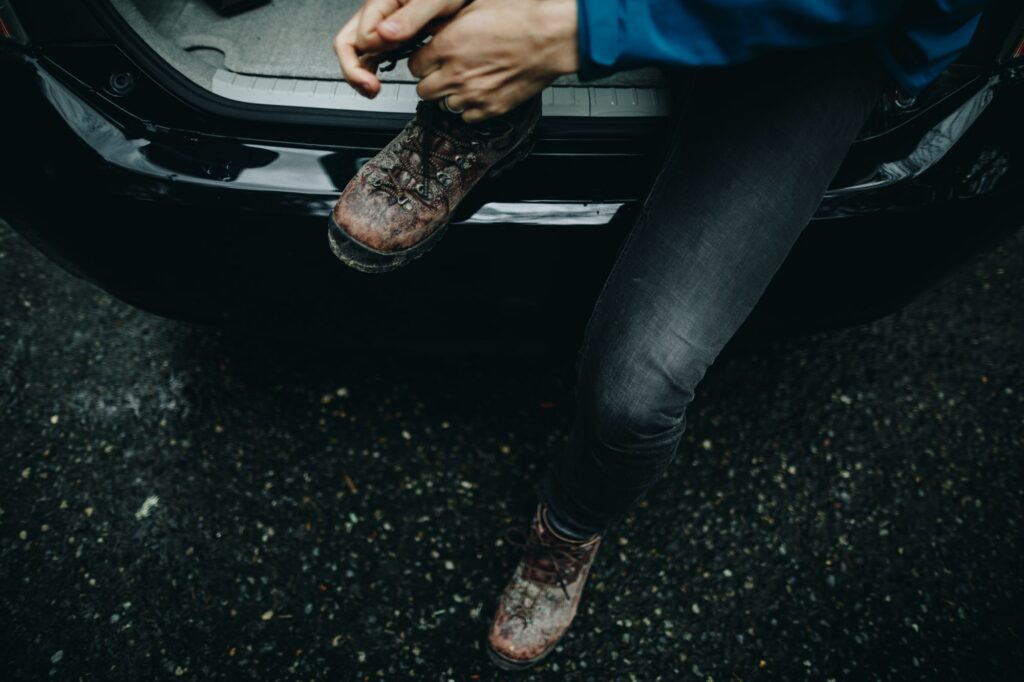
(390, 26)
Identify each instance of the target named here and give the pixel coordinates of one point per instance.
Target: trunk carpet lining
(291, 39)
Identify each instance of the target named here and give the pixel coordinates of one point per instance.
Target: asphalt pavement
(178, 503)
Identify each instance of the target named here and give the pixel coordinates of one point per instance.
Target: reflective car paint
(228, 229)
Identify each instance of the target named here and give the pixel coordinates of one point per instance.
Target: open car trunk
(281, 54)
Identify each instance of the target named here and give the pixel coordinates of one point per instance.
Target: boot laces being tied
(398, 204)
(431, 179)
(557, 563)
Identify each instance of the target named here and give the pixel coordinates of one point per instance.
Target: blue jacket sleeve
(618, 34)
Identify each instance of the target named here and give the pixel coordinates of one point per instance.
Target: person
(777, 91)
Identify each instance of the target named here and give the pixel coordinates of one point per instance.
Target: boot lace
(554, 563)
(433, 177)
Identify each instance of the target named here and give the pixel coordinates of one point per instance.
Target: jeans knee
(638, 374)
(632, 427)
(638, 408)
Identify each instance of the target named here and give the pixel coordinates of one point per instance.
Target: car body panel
(196, 216)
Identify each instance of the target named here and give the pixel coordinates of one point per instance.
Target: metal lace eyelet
(422, 189)
(406, 203)
(375, 181)
(444, 178)
(465, 162)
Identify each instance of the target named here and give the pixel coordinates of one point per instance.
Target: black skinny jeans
(753, 151)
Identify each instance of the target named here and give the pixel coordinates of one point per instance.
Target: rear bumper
(231, 231)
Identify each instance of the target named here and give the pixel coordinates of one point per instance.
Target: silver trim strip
(545, 213)
(558, 100)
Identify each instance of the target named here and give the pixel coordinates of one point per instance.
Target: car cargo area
(281, 54)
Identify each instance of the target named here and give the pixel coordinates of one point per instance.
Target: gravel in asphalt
(176, 503)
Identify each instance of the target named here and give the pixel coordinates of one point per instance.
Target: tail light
(10, 28)
(1013, 49)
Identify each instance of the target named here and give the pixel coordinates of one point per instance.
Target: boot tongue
(544, 569)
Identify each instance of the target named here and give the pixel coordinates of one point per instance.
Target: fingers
(435, 86)
(475, 115)
(358, 76)
(353, 69)
(476, 111)
(383, 25)
(371, 62)
(457, 103)
(425, 60)
(371, 15)
(470, 112)
(410, 19)
(480, 109)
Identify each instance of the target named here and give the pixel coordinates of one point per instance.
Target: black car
(185, 161)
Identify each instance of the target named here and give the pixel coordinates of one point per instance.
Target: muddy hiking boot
(540, 601)
(400, 202)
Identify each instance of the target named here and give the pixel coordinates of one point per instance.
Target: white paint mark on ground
(147, 506)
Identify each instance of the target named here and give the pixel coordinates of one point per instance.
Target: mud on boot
(399, 203)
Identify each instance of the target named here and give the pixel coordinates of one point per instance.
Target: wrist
(559, 23)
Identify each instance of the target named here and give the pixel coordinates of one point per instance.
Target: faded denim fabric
(753, 151)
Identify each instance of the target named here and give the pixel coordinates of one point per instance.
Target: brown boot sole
(360, 257)
(512, 664)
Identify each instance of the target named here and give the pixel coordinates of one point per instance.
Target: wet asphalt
(178, 503)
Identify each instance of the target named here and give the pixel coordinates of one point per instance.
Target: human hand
(380, 26)
(496, 54)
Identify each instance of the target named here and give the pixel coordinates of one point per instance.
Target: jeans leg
(750, 160)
